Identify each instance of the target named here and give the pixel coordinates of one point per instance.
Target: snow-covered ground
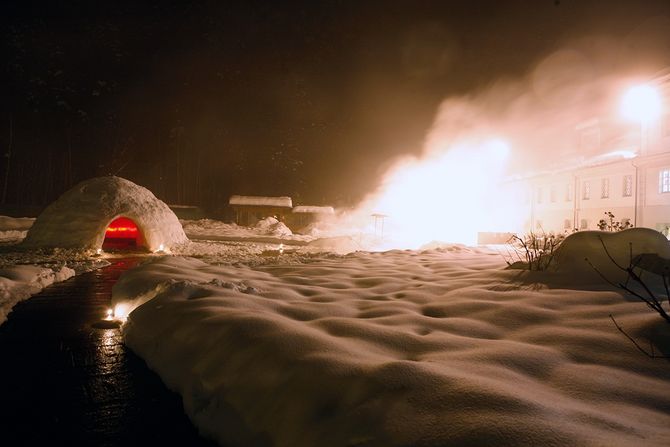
(433, 348)
(274, 339)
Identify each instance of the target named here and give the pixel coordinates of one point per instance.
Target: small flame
(160, 249)
(110, 314)
(121, 312)
(98, 251)
(281, 249)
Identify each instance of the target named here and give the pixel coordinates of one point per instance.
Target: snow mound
(272, 226)
(20, 282)
(80, 217)
(401, 348)
(582, 251)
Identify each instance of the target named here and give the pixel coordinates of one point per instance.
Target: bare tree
(637, 286)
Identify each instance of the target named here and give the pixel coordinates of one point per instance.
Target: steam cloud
(462, 182)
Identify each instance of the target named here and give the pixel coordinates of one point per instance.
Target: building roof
(307, 209)
(282, 201)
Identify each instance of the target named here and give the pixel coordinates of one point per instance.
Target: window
(586, 191)
(567, 224)
(552, 194)
(627, 185)
(539, 195)
(605, 188)
(664, 181)
(568, 192)
(583, 224)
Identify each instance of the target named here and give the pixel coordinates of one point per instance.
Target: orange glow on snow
(447, 197)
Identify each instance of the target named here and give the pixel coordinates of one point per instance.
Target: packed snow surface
(434, 348)
(268, 230)
(80, 217)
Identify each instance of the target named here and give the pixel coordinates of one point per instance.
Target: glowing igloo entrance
(122, 234)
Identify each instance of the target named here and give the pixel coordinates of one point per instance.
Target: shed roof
(282, 201)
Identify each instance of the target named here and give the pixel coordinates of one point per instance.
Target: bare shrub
(610, 224)
(636, 285)
(533, 250)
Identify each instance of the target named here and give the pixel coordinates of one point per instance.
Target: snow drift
(585, 251)
(435, 348)
(79, 218)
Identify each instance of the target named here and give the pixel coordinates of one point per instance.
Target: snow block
(80, 217)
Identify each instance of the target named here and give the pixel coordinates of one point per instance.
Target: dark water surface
(63, 382)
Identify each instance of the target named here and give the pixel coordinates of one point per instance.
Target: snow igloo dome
(102, 209)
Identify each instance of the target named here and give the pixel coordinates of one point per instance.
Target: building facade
(623, 169)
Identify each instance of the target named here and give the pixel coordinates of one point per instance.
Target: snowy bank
(14, 229)
(443, 347)
(23, 281)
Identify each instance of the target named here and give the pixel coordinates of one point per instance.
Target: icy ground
(434, 348)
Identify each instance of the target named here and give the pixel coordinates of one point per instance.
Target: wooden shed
(304, 215)
(250, 209)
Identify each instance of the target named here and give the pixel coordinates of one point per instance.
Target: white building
(623, 167)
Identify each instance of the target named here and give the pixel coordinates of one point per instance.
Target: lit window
(605, 188)
(664, 181)
(627, 185)
(586, 191)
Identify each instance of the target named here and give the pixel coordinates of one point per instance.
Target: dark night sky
(200, 100)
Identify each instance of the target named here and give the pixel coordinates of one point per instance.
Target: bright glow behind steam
(447, 196)
(641, 103)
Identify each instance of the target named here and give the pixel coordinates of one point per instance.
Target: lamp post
(641, 104)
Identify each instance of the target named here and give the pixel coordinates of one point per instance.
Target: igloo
(106, 206)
